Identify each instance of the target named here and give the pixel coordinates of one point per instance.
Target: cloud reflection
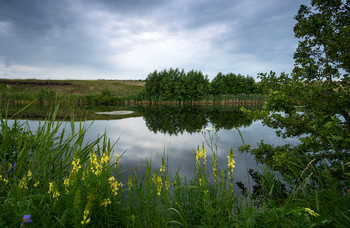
(142, 144)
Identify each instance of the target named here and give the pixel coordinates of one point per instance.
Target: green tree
(313, 102)
(233, 84)
(175, 84)
(196, 85)
(218, 85)
(324, 47)
(152, 84)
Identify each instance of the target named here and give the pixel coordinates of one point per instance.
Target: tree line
(176, 84)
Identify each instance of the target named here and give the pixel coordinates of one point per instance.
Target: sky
(128, 39)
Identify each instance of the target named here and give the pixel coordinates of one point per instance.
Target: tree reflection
(228, 118)
(179, 119)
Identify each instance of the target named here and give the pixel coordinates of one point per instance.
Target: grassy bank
(48, 178)
(76, 92)
(107, 92)
(74, 87)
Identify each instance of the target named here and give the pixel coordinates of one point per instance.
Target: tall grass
(59, 180)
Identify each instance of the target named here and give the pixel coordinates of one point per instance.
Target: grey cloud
(98, 33)
(261, 28)
(266, 31)
(48, 32)
(7, 62)
(31, 19)
(128, 7)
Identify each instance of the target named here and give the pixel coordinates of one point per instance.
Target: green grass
(68, 91)
(107, 92)
(52, 176)
(78, 87)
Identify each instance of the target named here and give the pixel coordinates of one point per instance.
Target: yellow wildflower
(88, 206)
(23, 183)
(53, 190)
(29, 175)
(50, 187)
(114, 185)
(116, 160)
(311, 212)
(3, 179)
(162, 167)
(201, 154)
(76, 165)
(95, 164)
(84, 178)
(105, 202)
(204, 155)
(130, 182)
(111, 179)
(133, 219)
(93, 158)
(98, 169)
(167, 184)
(36, 184)
(66, 181)
(158, 182)
(105, 158)
(231, 162)
(86, 220)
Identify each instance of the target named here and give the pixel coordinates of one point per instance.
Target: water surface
(147, 133)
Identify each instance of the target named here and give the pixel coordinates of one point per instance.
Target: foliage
(233, 84)
(313, 102)
(175, 84)
(83, 188)
(325, 45)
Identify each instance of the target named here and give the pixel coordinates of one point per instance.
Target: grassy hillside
(78, 87)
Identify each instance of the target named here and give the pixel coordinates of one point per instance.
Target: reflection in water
(191, 119)
(176, 132)
(174, 120)
(141, 144)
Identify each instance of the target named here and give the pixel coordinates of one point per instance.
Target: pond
(148, 133)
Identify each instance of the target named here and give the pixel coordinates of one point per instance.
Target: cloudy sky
(128, 39)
